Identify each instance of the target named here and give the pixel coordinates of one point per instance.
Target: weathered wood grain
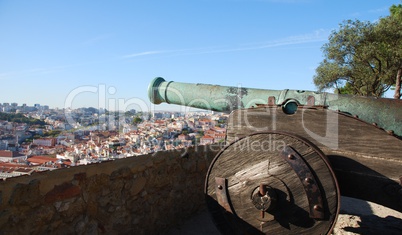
(255, 160)
(367, 161)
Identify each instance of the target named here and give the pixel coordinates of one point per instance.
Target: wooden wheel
(272, 183)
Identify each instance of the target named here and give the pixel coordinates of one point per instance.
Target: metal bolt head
(291, 156)
(220, 187)
(390, 132)
(317, 208)
(308, 180)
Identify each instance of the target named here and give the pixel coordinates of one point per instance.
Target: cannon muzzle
(385, 113)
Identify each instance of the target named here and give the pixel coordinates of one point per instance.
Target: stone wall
(147, 194)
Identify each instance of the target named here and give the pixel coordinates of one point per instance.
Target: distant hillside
(20, 118)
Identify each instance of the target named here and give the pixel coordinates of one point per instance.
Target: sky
(103, 54)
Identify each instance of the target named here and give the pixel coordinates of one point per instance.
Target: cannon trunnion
(290, 154)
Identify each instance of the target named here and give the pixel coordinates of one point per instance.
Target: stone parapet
(148, 194)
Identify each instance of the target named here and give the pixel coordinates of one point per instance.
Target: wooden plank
(366, 160)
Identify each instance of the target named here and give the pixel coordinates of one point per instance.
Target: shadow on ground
(356, 217)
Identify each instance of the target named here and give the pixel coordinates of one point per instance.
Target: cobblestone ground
(356, 217)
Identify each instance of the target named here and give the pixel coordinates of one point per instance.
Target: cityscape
(38, 138)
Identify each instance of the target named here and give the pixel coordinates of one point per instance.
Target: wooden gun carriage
(290, 154)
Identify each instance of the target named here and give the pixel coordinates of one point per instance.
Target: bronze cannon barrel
(383, 112)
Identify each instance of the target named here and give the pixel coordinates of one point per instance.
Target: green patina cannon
(290, 154)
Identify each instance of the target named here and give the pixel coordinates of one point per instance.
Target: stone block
(138, 185)
(62, 192)
(26, 194)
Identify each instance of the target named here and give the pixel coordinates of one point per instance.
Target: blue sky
(105, 53)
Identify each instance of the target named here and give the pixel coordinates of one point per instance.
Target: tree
(53, 133)
(390, 31)
(20, 118)
(137, 120)
(363, 58)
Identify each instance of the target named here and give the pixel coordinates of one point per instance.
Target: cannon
(289, 155)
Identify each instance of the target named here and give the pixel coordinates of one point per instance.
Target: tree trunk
(397, 94)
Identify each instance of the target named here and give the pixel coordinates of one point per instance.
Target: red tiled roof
(207, 137)
(7, 153)
(41, 159)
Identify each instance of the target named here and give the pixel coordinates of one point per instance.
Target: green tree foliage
(185, 131)
(20, 118)
(53, 133)
(390, 31)
(363, 58)
(137, 120)
(36, 136)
